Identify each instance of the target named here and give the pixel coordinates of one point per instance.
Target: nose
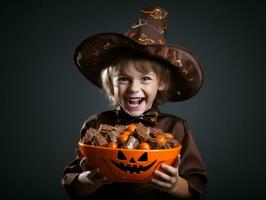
(134, 87)
(132, 160)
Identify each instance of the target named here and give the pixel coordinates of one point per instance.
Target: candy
(132, 136)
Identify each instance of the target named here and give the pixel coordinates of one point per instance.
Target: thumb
(83, 164)
(83, 177)
(177, 161)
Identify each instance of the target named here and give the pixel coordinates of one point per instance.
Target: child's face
(135, 91)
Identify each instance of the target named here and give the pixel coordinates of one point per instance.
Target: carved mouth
(133, 168)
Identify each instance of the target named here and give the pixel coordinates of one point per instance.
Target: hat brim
(187, 77)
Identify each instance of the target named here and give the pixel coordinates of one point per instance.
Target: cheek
(152, 91)
(119, 90)
(123, 88)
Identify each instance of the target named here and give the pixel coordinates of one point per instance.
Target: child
(137, 72)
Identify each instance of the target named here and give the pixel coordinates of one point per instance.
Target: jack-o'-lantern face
(131, 165)
(127, 165)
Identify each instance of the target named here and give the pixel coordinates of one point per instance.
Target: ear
(162, 86)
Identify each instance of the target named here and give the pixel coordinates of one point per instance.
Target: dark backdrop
(44, 99)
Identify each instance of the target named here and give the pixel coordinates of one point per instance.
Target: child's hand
(90, 179)
(167, 180)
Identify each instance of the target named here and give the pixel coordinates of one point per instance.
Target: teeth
(135, 100)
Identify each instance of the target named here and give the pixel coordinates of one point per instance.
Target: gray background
(44, 99)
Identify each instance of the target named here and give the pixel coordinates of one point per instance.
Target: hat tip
(153, 8)
(155, 12)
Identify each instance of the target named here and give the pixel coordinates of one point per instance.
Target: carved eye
(143, 157)
(121, 156)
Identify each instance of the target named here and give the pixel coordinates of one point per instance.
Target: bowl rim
(179, 146)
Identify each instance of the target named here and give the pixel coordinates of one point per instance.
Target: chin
(135, 113)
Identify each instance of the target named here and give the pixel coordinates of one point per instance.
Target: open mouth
(134, 101)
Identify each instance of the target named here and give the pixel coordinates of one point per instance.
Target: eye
(143, 157)
(146, 78)
(122, 79)
(121, 156)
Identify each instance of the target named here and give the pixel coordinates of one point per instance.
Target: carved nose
(132, 160)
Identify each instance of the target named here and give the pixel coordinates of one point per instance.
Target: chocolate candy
(140, 134)
(113, 136)
(89, 136)
(132, 143)
(105, 128)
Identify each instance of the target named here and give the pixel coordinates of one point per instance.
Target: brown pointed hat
(147, 37)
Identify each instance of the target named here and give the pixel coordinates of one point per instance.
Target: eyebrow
(150, 73)
(143, 74)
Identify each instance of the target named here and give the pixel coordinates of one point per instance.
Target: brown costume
(191, 167)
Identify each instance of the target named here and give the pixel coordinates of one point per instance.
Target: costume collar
(148, 117)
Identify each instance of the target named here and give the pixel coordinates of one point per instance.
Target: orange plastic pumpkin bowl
(127, 165)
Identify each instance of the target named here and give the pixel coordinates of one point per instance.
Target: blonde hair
(142, 64)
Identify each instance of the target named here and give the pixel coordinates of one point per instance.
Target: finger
(164, 177)
(177, 161)
(170, 170)
(83, 164)
(92, 173)
(160, 184)
(100, 181)
(86, 177)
